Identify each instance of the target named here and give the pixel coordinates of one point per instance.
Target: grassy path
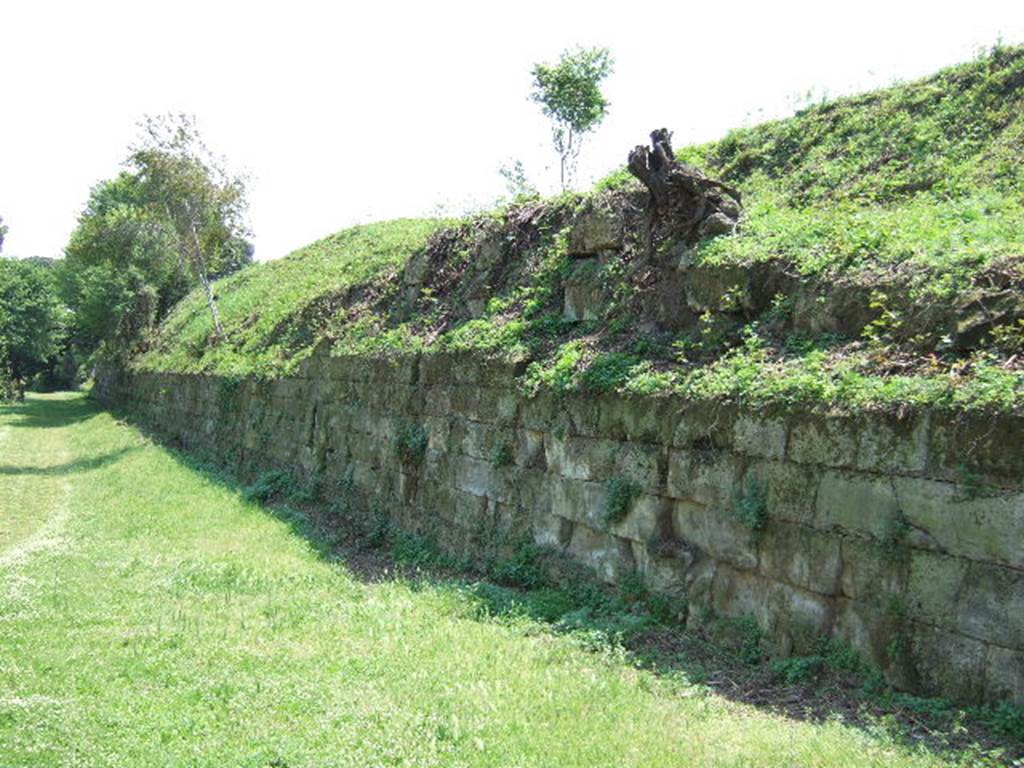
(150, 616)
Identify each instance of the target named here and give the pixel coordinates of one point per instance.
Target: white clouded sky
(347, 113)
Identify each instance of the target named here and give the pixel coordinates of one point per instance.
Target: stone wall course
(902, 536)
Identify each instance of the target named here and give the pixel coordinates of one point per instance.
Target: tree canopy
(32, 322)
(173, 220)
(569, 93)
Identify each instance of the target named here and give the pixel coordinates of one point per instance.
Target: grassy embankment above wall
(902, 209)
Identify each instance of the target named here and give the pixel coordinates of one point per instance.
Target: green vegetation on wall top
(909, 199)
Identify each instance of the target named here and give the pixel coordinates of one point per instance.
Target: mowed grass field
(151, 616)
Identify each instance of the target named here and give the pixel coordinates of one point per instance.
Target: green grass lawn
(151, 616)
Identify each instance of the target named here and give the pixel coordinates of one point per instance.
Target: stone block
(978, 448)
(760, 436)
(949, 664)
(933, 589)
(578, 500)
(597, 229)
(638, 419)
(869, 573)
(801, 556)
(990, 605)
(707, 477)
(1004, 675)
(988, 527)
(790, 489)
(480, 478)
(609, 556)
(664, 569)
(529, 449)
(704, 426)
(551, 531)
(859, 503)
(715, 532)
(648, 517)
(826, 440)
(891, 445)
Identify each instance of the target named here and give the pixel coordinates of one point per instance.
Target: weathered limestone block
(716, 532)
(481, 478)
(887, 444)
(577, 458)
(648, 518)
(799, 618)
(436, 368)
(790, 489)
(664, 568)
(438, 430)
(533, 490)
(539, 412)
(719, 288)
(801, 556)
(816, 439)
(637, 419)
(483, 441)
(933, 589)
(989, 527)
(705, 426)
(707, 477)
(551, 531)
(870, 630)
(972, 449)
(529, 449)
(990, 605)
(468, 511)
(871, 574)
(609, 556)
(761, 437)
(584, 295)
(946, 662)
(578, 500)
(1004, 675)
(596, 229)
(864, 504)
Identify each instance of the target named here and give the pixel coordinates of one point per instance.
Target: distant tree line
(172, 221)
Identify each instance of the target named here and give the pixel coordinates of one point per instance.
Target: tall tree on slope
(202, 205)
(569, 93)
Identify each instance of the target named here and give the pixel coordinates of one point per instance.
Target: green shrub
(750, 504)
(619, 495)
(275, 484)
(503, 456)
(523, 569)
(411, 443)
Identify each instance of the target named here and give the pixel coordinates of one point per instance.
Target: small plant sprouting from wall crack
(750, 505)
(894, 538)
(411, 442)
(503, 456)
(619, 495)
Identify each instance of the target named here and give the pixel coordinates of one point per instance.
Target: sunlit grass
(178, 624)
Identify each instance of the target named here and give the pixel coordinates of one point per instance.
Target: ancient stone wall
(904, 537)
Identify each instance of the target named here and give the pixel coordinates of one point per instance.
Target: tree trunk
(211, 300)
(692, 203)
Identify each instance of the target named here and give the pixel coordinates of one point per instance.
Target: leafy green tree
(32, 322)
(3, 231)
(121, 272)
(569, 93)
(201, 205)
(170, 222)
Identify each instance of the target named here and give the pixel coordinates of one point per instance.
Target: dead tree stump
(692, 204)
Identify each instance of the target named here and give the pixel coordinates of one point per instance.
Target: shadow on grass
(47, 411)
(813, 689)
(70, 468)
(44, 412)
